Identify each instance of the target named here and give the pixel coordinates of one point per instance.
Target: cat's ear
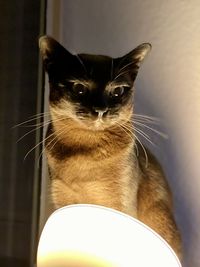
(139, 53)
(131, 62)
(53, 53)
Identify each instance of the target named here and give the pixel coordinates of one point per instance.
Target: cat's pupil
(79, 89)
(118, 91)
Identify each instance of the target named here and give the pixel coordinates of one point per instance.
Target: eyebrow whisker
(111, 73)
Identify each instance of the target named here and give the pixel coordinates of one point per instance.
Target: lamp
(95, 236)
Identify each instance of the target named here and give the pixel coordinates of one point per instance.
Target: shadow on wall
(164, 150)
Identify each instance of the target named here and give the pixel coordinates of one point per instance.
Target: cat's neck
(67, 135)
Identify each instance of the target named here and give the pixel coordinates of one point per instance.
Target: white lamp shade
(95, 236)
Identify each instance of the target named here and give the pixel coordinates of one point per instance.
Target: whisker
(129, 64)
(22, 123)
(131, 136)
(40, 155)
(30, 120)
(41, 114)
(41, 142)
(45, 139)
(146, 117)
(143, 148)
(36, 125)
(120, 74)
(33, 130)
(41, 126)
(63, 130)
(165, 136)
(147, 121)
(80, 60)
(126, 130)
(111, 72)
(145, 153)
(144, 135)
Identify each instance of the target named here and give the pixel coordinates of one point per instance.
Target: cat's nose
(100, 111)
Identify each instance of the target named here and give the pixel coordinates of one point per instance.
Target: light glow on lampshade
(95, 236)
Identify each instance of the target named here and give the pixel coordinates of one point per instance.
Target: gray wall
(167, 86)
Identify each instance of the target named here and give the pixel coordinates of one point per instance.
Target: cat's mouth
(97, 122)
(96, 119)
(102, 119)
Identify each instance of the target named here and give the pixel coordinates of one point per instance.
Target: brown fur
(92, 158)
(83, 164)
(155, 207)
(100, 167)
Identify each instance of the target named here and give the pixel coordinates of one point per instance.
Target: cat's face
(95, 91)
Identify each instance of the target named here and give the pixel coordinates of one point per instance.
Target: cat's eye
(79, 89)
(117, 92)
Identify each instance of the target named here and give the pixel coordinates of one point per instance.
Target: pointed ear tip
(147, 46)
(42, 41)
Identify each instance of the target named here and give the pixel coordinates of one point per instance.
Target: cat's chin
(96, 125)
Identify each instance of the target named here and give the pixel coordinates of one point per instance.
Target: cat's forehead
(95, 59)
(98, 67)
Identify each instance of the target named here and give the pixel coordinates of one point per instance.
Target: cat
(92, 152)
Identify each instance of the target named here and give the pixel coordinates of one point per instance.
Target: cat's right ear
(53, 53)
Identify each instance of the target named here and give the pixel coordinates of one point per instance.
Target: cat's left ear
(54, 55)
(131, 62)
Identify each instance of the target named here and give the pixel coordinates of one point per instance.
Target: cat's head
(95, 91)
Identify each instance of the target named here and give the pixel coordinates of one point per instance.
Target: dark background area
(21, 22)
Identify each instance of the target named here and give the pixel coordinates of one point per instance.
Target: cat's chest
(83, 169)
(110, 183)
